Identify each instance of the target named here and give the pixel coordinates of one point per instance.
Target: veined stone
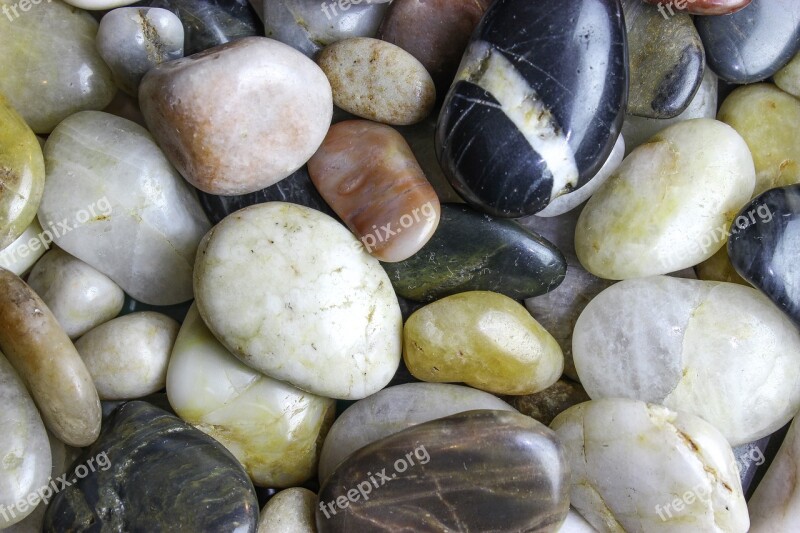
(112, 200)
(644, 468)
(215, 392)
(289, 511)
(22, 254)
(788, 78)
(326, 319)
(670, 203)
(699, 347)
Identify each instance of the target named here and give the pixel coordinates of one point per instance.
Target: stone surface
(51, 68)
(545, 405)
(436, 33)
(394, 409)
(128, 356)
(377, 80)
(369, 176)
(473, 471)
(112, 200)
(471, 251)
(21, 174)
(753, 43)
(289, 511)
(310, 25)
(764, 243)
(633, 465)
(719, 268)
(699, 7)
(421, 137)
(48, 364)
(483, 339)
(22, 254)
(521, 125)
(669, 204)
(667, 61)
(164, 475)
(267, 85)
(788, 78)
(575, 523)
(698, 347)
(79, 296)
(325, 319)
(133, 40)
(24, 447)
(272, 428)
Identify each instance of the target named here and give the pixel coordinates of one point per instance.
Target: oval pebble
(289, 511)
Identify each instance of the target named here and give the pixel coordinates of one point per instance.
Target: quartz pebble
(324, 317)
(79, 296)
(367, 173)
(700, 347)
(215, 392)
(267, 85)
(377, 80)
(289, 511)
(788, 78)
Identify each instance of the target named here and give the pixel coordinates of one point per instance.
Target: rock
(367, 173)
(273, 429)
(310, 25)
(767, 119)
(421, 138)
(24, 448)
(763, 246)
(788, 78)
(669, 204)
(210, 23)
(719, 268)
(754, 43)
(749, 457)
(326, 320)
(23, 253)
(79, 296)
(48, 364)
(520, 127)
(436, 33)
(155, 462)
(133, 40)
(289, 511)
(667, 61)
(69, 76)
(394, 409)
(125, 106)
(378, 81)
(575, 523)
(471, 251)
(128, 356)
(639, 467)
(109, 186)
(473, 471)
(699, 347)
(545, 405)
(212, 146)
(21, 174)
(484, 339)
(668, 8)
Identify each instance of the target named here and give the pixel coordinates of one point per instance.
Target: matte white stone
(289, 511)
(721, 351)
(643, 468)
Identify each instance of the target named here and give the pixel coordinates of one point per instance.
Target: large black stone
(556, 69)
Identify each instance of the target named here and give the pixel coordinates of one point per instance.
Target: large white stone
(721, 351)
(112, 200)
(643, 468)
(292, 293)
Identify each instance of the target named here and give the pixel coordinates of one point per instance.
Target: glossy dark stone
(296, 189)
(556, 69)
(476, 471)
(666, 58)
(471, 251)
(764, 246)
(209, 23)
(164, 475)
(753, 43)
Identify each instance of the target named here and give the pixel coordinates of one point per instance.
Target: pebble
(367, 173)
(458, 469)
(20, 256)
(644, 468)
(109, 186)
(212, 146)
(700, 347)
(421, 137)
(377, 80)
(80, 297)
(326, 319)
(788, 78)
(289, 511)
(483, 339)
(545, 405)
(211, 389)
(699, 7)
